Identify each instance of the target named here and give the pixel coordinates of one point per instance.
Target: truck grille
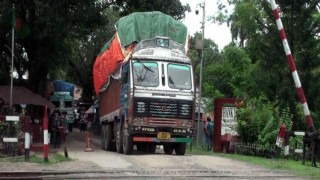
(162, 108)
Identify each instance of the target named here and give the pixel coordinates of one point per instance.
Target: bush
(259, 120)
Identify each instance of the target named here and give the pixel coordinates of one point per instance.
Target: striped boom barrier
(295, 75)
(288, 135)
(45, 135)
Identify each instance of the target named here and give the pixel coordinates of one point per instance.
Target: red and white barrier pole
(281, 135)
(295, 75)
(88, 142)
(45, 135)
(280, 138)
(27, 140)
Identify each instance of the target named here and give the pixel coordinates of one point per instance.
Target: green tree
(254, 29)
(228, 77)
(211, 54)
(173, 8)
(52, 24)
(65, 37)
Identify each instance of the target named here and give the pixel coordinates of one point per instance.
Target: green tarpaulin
(146, 25)
(134, 28)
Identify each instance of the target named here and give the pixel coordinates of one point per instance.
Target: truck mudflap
(170, 140)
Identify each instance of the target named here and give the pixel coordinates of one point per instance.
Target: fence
(254, 150)
(10, 135)
(310, 146)
(298, 149)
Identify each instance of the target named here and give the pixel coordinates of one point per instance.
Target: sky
(220, 34)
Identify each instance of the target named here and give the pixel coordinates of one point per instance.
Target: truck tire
(127, 142)
(119, 138)
(180, 148)
(109, 145)
(168, 149)
(103, 137)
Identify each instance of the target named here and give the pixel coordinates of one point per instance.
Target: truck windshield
(179, 76)
(146, 74)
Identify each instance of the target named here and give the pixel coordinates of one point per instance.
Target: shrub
(259, 120)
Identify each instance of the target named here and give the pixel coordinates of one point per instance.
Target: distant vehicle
(64, 103)
(148, 97)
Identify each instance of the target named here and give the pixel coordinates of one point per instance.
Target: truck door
(125, 91)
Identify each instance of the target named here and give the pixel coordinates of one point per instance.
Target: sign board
(9, 139)
(13, 118)
(228, 124)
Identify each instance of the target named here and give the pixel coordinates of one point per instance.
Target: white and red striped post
(27, 141)
(45, 135)
(295, 75)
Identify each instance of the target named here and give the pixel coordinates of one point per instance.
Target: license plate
(163, 135)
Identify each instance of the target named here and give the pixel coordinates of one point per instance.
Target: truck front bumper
(150, 134)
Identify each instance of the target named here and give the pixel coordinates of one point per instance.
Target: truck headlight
(187, 124)
(138, 121)
(135, 121)
(141, 120)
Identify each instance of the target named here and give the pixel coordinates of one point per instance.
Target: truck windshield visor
(146, 74)
(179, 76)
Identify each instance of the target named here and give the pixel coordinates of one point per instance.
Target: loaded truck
(63, 99)
(145, 87)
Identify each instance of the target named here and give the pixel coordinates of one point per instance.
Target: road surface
(100, 164)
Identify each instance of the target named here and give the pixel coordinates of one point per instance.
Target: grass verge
(291, 166)
(37, 158)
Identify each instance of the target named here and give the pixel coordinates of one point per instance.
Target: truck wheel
(103, 137)
(127, 142)
(180, 148)
(119, 138)
(109, 146)
(168, 149)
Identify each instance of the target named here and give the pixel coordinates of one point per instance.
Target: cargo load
(130, 30)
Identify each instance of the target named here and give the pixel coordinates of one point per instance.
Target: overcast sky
(220, 34)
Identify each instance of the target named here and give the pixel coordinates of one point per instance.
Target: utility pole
(203, 6)
(12, 59)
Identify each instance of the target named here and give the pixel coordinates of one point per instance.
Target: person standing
(51, 126)
(83, 121)
(57, 131)
(205, 137)
(209, 128)
(65, 122)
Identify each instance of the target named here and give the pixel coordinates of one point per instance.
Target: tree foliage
(259, 121)
(65, 37)
(267, 73)
(172, 8)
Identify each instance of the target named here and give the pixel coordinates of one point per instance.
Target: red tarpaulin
(106, 63)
